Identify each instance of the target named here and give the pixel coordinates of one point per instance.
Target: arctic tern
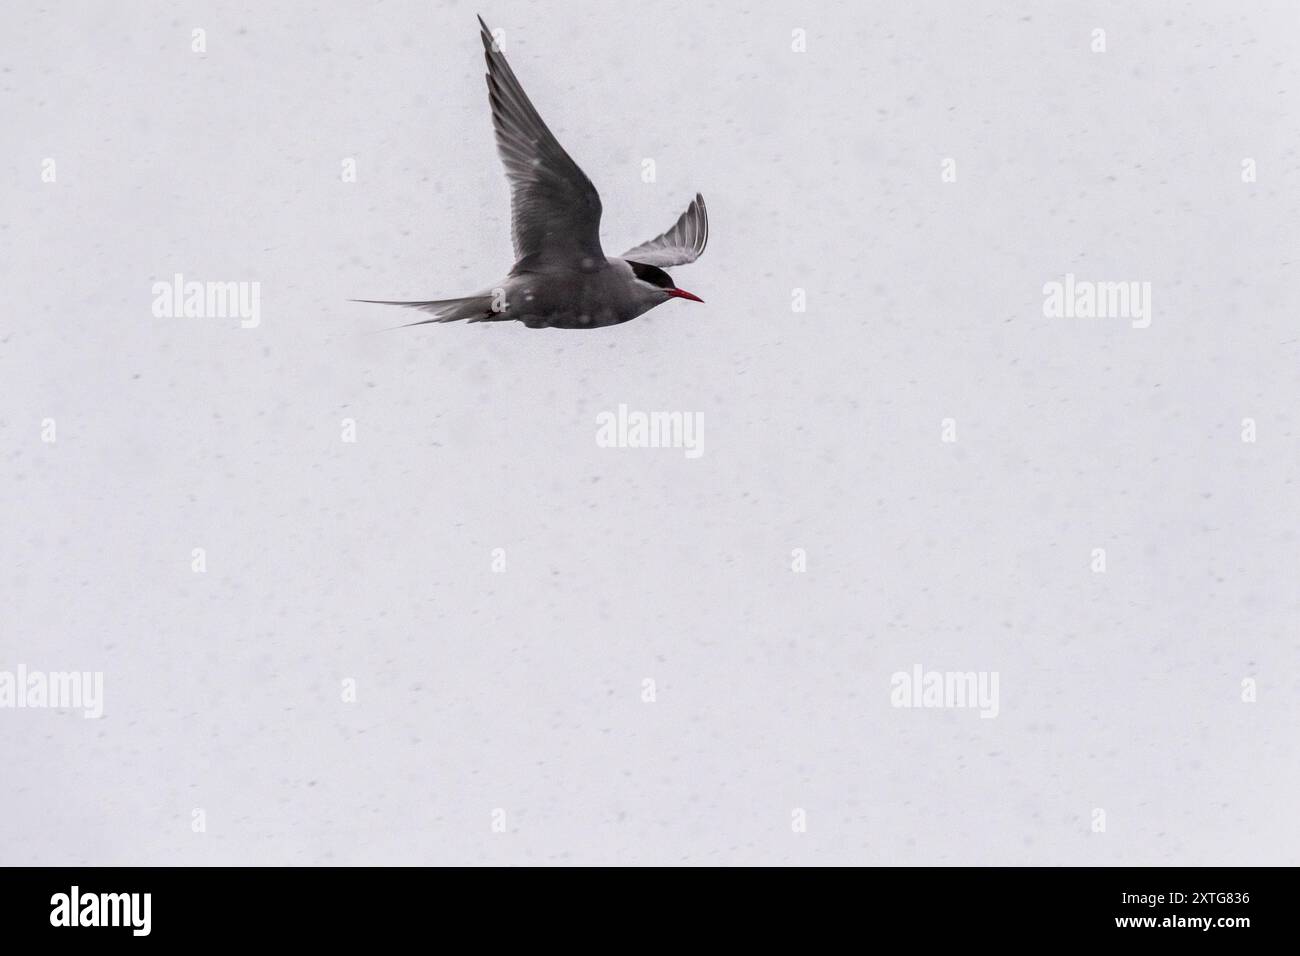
(562, 279)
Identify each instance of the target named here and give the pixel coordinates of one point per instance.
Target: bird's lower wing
(681, 244)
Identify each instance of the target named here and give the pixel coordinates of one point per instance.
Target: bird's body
(589, 298)
(562, 279)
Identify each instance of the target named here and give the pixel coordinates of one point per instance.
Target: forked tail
(471, 308)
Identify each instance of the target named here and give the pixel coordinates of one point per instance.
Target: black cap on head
(652, 274)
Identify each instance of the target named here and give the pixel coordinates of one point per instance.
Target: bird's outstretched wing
(554, 208)
(681, 244)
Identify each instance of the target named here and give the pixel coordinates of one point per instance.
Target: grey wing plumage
(555, 210)
(681, 244)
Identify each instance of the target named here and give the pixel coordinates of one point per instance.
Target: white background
(523, 690)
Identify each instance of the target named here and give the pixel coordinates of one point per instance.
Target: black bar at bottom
(332, 907)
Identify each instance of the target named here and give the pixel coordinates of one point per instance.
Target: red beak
(683, 294)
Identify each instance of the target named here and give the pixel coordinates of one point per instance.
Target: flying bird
(562, 279)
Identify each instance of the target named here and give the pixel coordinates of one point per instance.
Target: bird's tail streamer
(472, 308)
